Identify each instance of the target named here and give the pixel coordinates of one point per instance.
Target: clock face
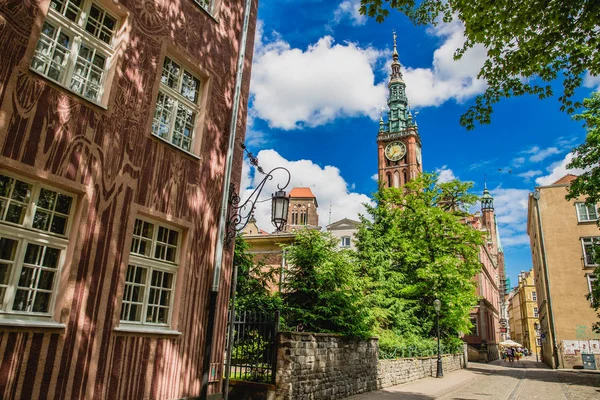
(395, 151)
(419, 155)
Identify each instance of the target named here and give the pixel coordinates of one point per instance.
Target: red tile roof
(565, 179)
(302, 192)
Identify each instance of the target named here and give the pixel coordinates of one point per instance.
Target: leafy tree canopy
(587, 157)
(321, 290)
(253, 279)
(418, 248)
(529, 44)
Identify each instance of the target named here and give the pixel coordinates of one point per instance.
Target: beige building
(345, 230)
(523, 312)
(560, 234)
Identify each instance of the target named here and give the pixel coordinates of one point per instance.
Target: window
(206, 4)
(345, 241)
(538, 342)
(303, 217)
(176, 105)
(534, 296)
(586, 212)
(475, 328)
(34, 225)
(150, 277)
(535, 312)
(589, 252)
(76, 46)
(591, 279)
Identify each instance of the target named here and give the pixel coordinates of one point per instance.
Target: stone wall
(321, 366)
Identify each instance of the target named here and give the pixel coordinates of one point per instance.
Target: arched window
(389, 179)
(396, 179)
(404, 176)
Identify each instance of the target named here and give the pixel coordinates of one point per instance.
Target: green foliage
(529, 44)
(253, 281)
(417, 248)
(321, 291)
(587, 157)
(393, 346)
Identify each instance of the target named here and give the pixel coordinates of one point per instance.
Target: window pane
(52, 53)
(8, 249)
(69, 8)
(63, 205)
(170, 73)
(100, 24)
(36, 279)
(41, 220)
(42, 302)
(46, 199)
(190, 87)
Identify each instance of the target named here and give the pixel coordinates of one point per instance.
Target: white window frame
(207, 5)
(582, 207)
(25, 234)
(590, 241)
(475, 327)
(79, 37)
(152, 264)
(533, 296)
(343, 240)
(178, 99)
(536, 312)
(591, 278)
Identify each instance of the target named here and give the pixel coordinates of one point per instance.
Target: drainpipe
(218, 261)
(536, 197)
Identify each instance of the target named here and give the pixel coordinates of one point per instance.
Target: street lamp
(437, 305)
(536, 328)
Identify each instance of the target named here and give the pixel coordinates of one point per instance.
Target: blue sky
(319, 80)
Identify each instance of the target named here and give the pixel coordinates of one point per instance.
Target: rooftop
(302, 192)
(565, 179)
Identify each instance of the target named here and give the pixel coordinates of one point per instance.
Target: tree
(321, 291)
(529, 44)
(253, 279)
(418, 248)
(587, 157)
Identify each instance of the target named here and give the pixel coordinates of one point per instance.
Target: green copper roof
(487, 201)
(399, 117)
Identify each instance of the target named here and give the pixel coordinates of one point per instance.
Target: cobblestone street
(525, 380)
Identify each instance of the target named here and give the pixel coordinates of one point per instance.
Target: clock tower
(398, 141)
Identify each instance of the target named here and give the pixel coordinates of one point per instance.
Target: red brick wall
(110, 159)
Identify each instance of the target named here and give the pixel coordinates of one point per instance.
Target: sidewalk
(524, 362)
(423, 389)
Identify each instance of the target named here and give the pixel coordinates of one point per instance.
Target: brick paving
(498, 380)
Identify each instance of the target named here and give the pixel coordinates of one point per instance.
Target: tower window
(389, 179)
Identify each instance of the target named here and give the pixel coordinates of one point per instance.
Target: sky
(319, 80)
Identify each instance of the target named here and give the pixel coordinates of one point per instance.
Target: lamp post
(437, 305)
(536, 328)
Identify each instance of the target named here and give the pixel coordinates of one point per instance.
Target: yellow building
(523, 312)
(560, 234)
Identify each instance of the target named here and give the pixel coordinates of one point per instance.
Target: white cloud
(445, 174)
(538, 154)
(590, 81)
(446, 79)
(326, 183)
(530, 174)
(517, 162)
(292, 88)
(375, 177)
(510, 206)
(557, 170)
(348, 10)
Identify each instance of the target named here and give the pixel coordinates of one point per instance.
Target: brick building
(302, 212)
(115, 119)
(485, 317)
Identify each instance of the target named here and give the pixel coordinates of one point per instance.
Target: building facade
(561, 233)
(485, 317)
(114, 128)
(398, 140)
(345, 230)
(523, 308)
(302, 211)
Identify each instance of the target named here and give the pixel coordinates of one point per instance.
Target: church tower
(398, 141)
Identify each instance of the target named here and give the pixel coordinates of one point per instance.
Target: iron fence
(254, 346)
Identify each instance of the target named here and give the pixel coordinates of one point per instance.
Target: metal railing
(254, 347)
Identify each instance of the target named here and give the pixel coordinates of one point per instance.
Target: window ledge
(24, 323)
(147, 330)
(210, 14)
(591, 221)
(188, 153)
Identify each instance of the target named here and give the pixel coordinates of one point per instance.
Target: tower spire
(395, 53)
